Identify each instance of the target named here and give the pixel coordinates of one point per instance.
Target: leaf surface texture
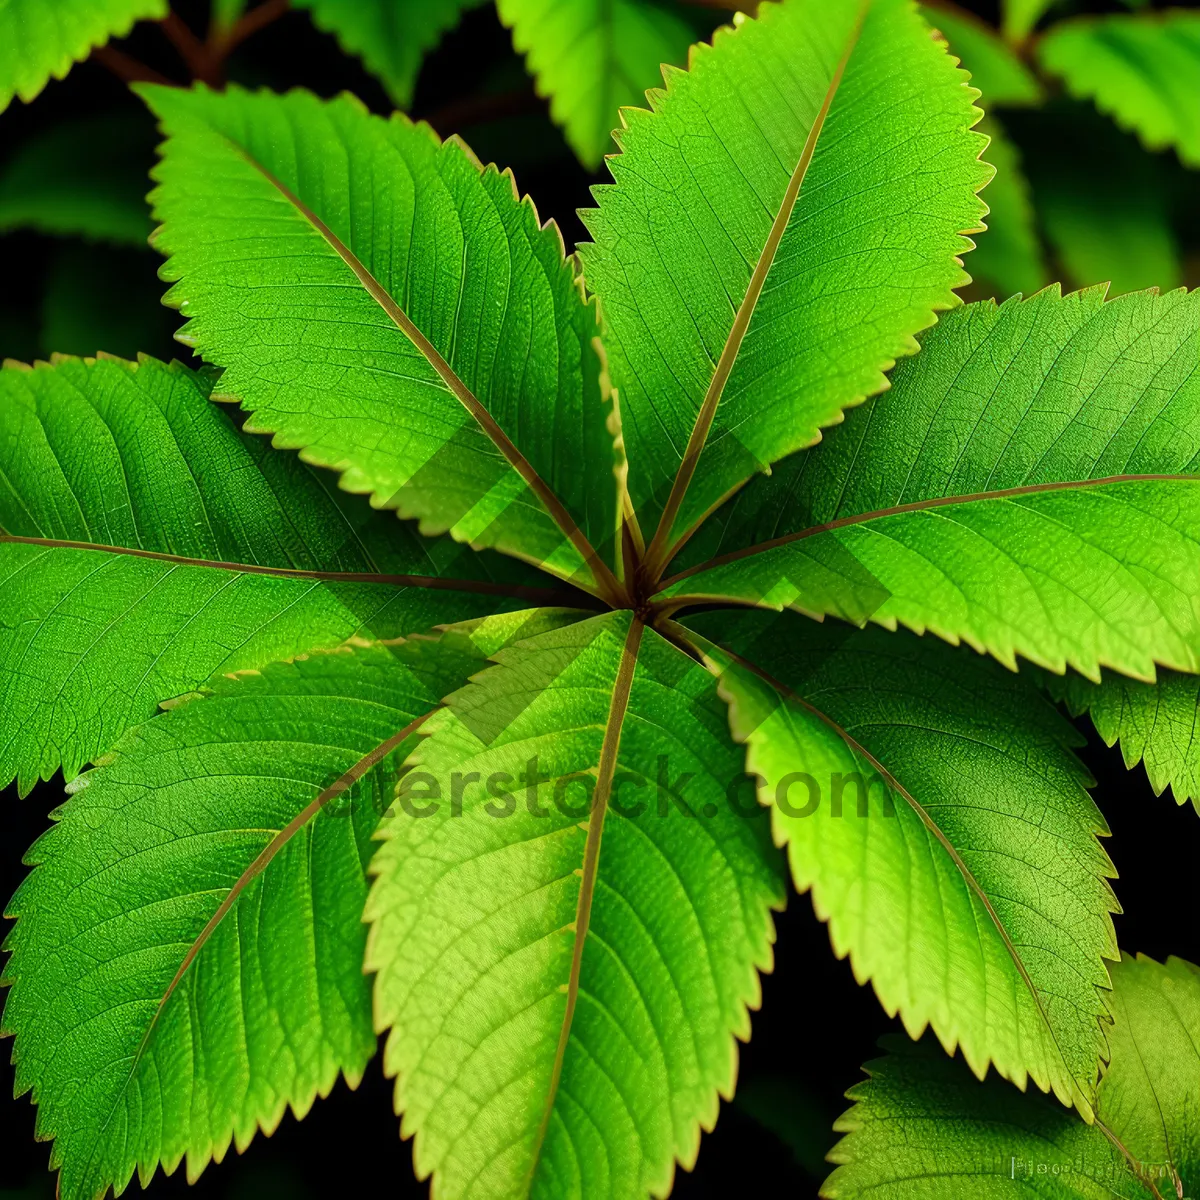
(396, 312)
(146, 544)
(187, 958)
(932, 806)
(1028, 486)
(562, 990)
(922, 1129)
(779, 227)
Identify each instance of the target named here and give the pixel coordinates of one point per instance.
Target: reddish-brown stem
(472, 110)
(222, 42)
(195, 54)
(127, 68)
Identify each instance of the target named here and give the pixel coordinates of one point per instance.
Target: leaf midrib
(1083, 1103)
(659, 555)
(932, 502)
(263, 860)
(606, 770)
(486, 587)
(606, 582)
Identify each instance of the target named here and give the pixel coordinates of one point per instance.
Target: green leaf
(390, 36)
(1143, 70)
(593, 57)
(562, 1008)
(39, 40)
(82, 176)
(396, 312)
(1009, 255)
(1156, 723)
(1020, 16)
(779, 227)
(922, 1129)
(930, 803)
(995, 69)
(1028, 486)
(145, 544)
(187, 958)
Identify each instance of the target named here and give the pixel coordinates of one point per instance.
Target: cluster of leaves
(1100, 207)
(82, 179)
(491, 660)
(589, 57)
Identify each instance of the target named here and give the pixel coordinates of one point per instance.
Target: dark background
(816, 1026)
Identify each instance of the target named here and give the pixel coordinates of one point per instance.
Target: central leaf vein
(609, 748)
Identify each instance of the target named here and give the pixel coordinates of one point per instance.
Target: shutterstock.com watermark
(528, 790)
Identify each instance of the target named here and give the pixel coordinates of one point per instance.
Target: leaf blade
(197, 902)
(968, 884)
(669, 309)
(475, 916)
(1155, 724)
(459, 261)
(1138, 69)
(37, 44)
(391, 39)
(146, 544)
(592, 59)
(920, 1126)
(996, 70)
(1099, 446)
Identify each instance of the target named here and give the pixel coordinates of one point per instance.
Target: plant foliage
(920, 1123)
(40, 41)
(464, 614)
(1139, 69)
(1099, 200)
(588, 57)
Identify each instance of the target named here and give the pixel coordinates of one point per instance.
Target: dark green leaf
(145, 544)
(923, 1129)
(1028, 485)
(395, 311)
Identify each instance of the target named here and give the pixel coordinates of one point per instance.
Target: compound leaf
(780, 226)
(395, 311)
(39, 40)
(187, 958)
(390, 36)
(930, 803)
(562, 1008)
(1142, 69)
(146, 544)
(923, 1129)
(1028, 485)
(594, 57)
